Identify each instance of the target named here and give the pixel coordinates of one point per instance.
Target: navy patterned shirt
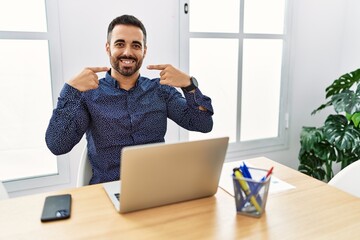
(113, 118)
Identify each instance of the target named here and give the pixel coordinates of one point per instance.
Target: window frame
(53, 37)
(245, 148)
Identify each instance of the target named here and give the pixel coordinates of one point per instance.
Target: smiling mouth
(127, 61)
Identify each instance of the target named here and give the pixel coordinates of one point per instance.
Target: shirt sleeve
(186, 113)
(68, 123)
(197, 99)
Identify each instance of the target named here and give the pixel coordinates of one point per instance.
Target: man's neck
(125, 82)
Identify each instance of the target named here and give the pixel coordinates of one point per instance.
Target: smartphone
(56, 208)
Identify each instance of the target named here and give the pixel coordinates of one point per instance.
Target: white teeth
(127, 61)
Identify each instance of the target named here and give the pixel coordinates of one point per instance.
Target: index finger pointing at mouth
(157, 67)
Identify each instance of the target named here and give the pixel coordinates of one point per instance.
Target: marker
(246, 189)
(253, 186)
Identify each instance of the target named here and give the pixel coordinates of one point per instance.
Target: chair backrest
(84, 171)
(348, 179)
(3, 193)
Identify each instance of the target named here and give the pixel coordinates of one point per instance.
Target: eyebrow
(123, 41)
(137, 42)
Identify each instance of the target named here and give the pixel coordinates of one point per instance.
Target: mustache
(127, 57)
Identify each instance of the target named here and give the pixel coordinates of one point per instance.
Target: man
(124, 108)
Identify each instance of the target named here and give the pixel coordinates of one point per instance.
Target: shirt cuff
(197, 99)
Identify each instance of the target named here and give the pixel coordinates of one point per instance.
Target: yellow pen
(246, 189)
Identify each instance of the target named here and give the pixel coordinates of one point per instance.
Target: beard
(128, 70)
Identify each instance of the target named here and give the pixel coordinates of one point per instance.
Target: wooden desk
(313, 210)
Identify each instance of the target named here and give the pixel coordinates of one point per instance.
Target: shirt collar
(115, 84)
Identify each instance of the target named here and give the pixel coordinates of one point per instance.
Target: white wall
(325, 44)
(350, 58)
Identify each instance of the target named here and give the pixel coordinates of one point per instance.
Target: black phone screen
(56, 208)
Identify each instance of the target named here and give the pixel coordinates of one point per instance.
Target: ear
(107, 47)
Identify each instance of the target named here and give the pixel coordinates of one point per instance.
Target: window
(238, 50)
(30, 63)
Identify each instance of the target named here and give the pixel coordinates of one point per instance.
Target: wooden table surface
(313, 210)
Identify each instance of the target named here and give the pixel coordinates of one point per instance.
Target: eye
(119, 44)
(137, 46)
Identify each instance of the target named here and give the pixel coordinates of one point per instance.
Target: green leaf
(346, 101)
(355, 118)
(339, 133)
(325, 151)
(311, 165)
(309, 136)
(322, 107)
(348, 157)
(348, 116)
(343, 83)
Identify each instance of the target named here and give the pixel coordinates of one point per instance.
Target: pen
(245, 171)
(257, 189)
(267, 174)
(246, 189)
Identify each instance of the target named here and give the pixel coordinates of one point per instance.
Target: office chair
(3, 192)
(348, 179)
(85, 171)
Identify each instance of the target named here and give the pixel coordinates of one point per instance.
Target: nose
(127, 51)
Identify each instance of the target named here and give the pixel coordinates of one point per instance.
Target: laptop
(154, 175)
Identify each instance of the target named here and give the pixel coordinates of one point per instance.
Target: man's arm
(70, 119)
(68, 122)
(193, 113)
(186, 112)
(172, 76)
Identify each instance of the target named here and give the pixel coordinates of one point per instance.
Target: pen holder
(251, 194)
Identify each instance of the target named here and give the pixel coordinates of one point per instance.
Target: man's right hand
(87, 79)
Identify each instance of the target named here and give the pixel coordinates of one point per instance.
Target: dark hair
(126, 20)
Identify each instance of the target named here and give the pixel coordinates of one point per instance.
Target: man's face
(126, 49)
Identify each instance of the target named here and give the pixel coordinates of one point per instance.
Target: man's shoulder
(149, 83)
(147, 80)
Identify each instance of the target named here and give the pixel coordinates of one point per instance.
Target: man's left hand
(171, 76)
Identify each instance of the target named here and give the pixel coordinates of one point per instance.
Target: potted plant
(338, 140)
